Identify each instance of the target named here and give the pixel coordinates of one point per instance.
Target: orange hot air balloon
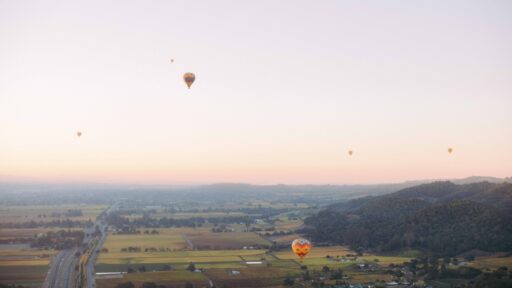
(78, 133)
(350, 152)
(450, 150)
(301, 247)
(189, 78)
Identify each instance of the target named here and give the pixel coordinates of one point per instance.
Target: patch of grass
(177, 257)
(166, 239)
(25, 257)
(43, 213)
(368, 277)
(30, 276)
(491, 262)
(9, 233)
(384, 260)
(163, 278)
(228, 240)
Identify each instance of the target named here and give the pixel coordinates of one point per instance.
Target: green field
(176, 239)
(167, 238)
(25, 267)
(10, 233)
(43, 213)
(166, 278)
(20, 264)
(25, 257)
(26, 275)
(188, 215)
(177, 257)
(229, 240)
(492, 262)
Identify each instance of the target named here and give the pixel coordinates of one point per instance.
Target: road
(62, 273)
(101, 224)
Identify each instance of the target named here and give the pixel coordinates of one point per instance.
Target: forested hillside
(442, 218)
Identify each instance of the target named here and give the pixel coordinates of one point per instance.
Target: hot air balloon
(78, 133)
(350, 152)
(450, 150)
(301, 247)
(172, 60)
(189, 78)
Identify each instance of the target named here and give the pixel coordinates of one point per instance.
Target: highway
(62, 272)
(89, 267)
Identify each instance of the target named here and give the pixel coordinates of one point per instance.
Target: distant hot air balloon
(78, 133)
(450, 150)
(189, 78)
(350, 152)
(301, 247)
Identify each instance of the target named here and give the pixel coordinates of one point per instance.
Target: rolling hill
(442, 217)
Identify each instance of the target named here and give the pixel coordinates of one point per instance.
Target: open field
(285, 239)
(218, 265)
(177, 239)
(229, 240)
(166, 278)
(47, 213)
(10, 233)
(251, 277)
(25, 267)
(318, 257)
(288, 225)
(21, 265)
(383, 260)
(356, 277)
(25, 257)
(178, 257)
(247, 277)
(168, 238)
(188, 215)
(491, 262)
(26, 275)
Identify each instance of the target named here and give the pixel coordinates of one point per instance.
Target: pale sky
(284, 89)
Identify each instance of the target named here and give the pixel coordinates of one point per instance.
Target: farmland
(169, 239)
(230, 240)
(47, 213)
(26, 275)
(492, 262)
(230, 243)
(19, 263)
(166, 278)
(23, 265)
(221, 264)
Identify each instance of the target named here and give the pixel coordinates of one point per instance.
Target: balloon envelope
(301, 247)
(78, 133)
(450, 150)
(350, 152)
(189, 78)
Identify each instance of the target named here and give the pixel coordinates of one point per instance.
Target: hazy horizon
(283, 91)
(9, 179)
